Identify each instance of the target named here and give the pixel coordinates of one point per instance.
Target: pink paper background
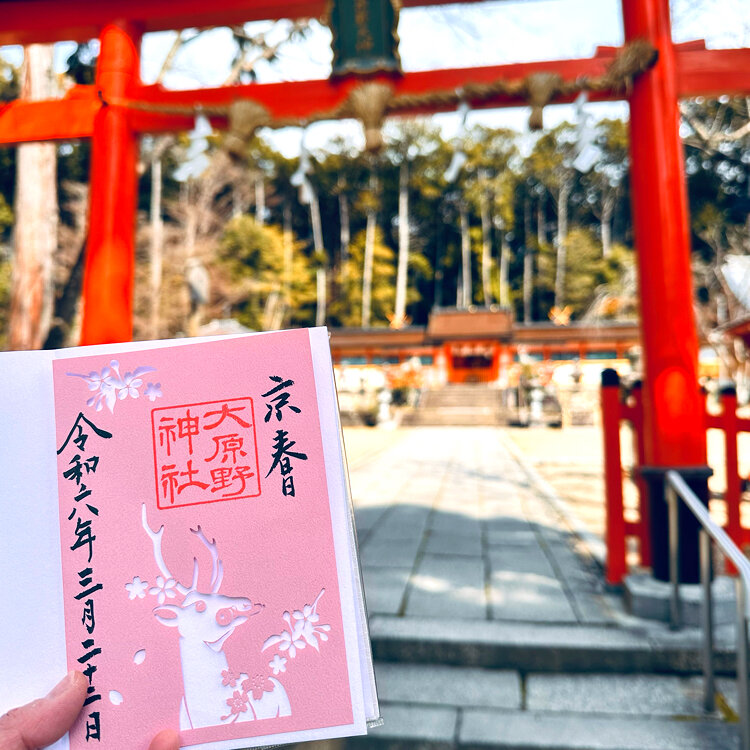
(276, 550)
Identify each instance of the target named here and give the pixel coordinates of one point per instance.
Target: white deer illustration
(205, 621)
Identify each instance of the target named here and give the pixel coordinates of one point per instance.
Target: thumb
(44, 721)
(166, 740)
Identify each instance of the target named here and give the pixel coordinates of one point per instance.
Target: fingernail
(64, 685)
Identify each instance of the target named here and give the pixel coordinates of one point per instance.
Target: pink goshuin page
(207, 563)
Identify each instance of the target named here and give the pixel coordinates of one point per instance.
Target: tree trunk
(466, 284)
(191, 238)
(562, 233)
(541, 224)
(317, 230)
(504, 270)
(528, 262)
(486, 250)
(368, 262)
(157, 242)
(608, 207)
(317, 227)
(399, 316)
(437, 293)
(260, 201)
(36, 217)
(320, 310)
(345, 236)
(288, 260)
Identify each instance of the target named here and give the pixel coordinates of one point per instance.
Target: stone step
(433, 403)
(460, 707)
(484, 394)
(533, 647)
(434, 400)
(461, 415)
(446, 728)
(439, 419)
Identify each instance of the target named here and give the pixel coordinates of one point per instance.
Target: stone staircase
(464, 404)
(544, 687)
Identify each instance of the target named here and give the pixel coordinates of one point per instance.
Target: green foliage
(347, 307)
(81, 63)
(587, 271)
(8, 91)
(6, 214)
(5, 270)
(257, 277)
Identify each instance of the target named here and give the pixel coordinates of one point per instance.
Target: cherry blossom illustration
(109, 385)
(228, 677)
(153, 391)
(303, 631)
(237, 704)
(164, 589)
(277, 664)
(136, 589)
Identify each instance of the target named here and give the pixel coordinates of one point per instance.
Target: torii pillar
(673, 410)
(110, 250)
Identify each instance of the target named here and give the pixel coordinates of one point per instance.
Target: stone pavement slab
(385, 589)
(451, 586)
(653, 695)
(527, 730)
(381, 552)
(448, 686)
(445, 543)
(531, 647)
(409, 726)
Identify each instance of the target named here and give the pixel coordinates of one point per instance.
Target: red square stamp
(205, 453)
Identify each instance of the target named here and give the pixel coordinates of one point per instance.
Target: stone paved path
(450, 526)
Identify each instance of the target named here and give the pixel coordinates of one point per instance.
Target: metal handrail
(676, 487)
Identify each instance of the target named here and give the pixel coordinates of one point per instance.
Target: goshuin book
(177, 526)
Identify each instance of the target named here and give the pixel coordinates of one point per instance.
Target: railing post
(709, 690)
(675, 619)
(743, 696)
(728, 395)
(615, 519)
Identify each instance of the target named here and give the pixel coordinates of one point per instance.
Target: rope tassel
(369, 104)
(541, 88)
(245, 117)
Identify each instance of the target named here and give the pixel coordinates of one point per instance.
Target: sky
(488, 33)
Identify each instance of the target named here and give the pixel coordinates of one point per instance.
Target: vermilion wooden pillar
(110, 256)
(673, 412)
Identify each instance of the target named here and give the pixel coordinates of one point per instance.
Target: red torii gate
(113, 112)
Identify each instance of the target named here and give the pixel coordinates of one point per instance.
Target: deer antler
(156, 540)
(217, 567)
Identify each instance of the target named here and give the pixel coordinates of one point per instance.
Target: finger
(44, 721)
(166, 740)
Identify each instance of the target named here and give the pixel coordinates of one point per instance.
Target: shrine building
(482, 344)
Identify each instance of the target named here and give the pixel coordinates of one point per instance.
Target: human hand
(44, 721)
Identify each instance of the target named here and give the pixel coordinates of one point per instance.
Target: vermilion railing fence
(620, 406)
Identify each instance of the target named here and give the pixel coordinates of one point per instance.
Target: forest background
(339, 237)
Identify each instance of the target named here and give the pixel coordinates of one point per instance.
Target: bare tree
(399, 316)
(369, 251)
(35, 230)
(466, 283)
